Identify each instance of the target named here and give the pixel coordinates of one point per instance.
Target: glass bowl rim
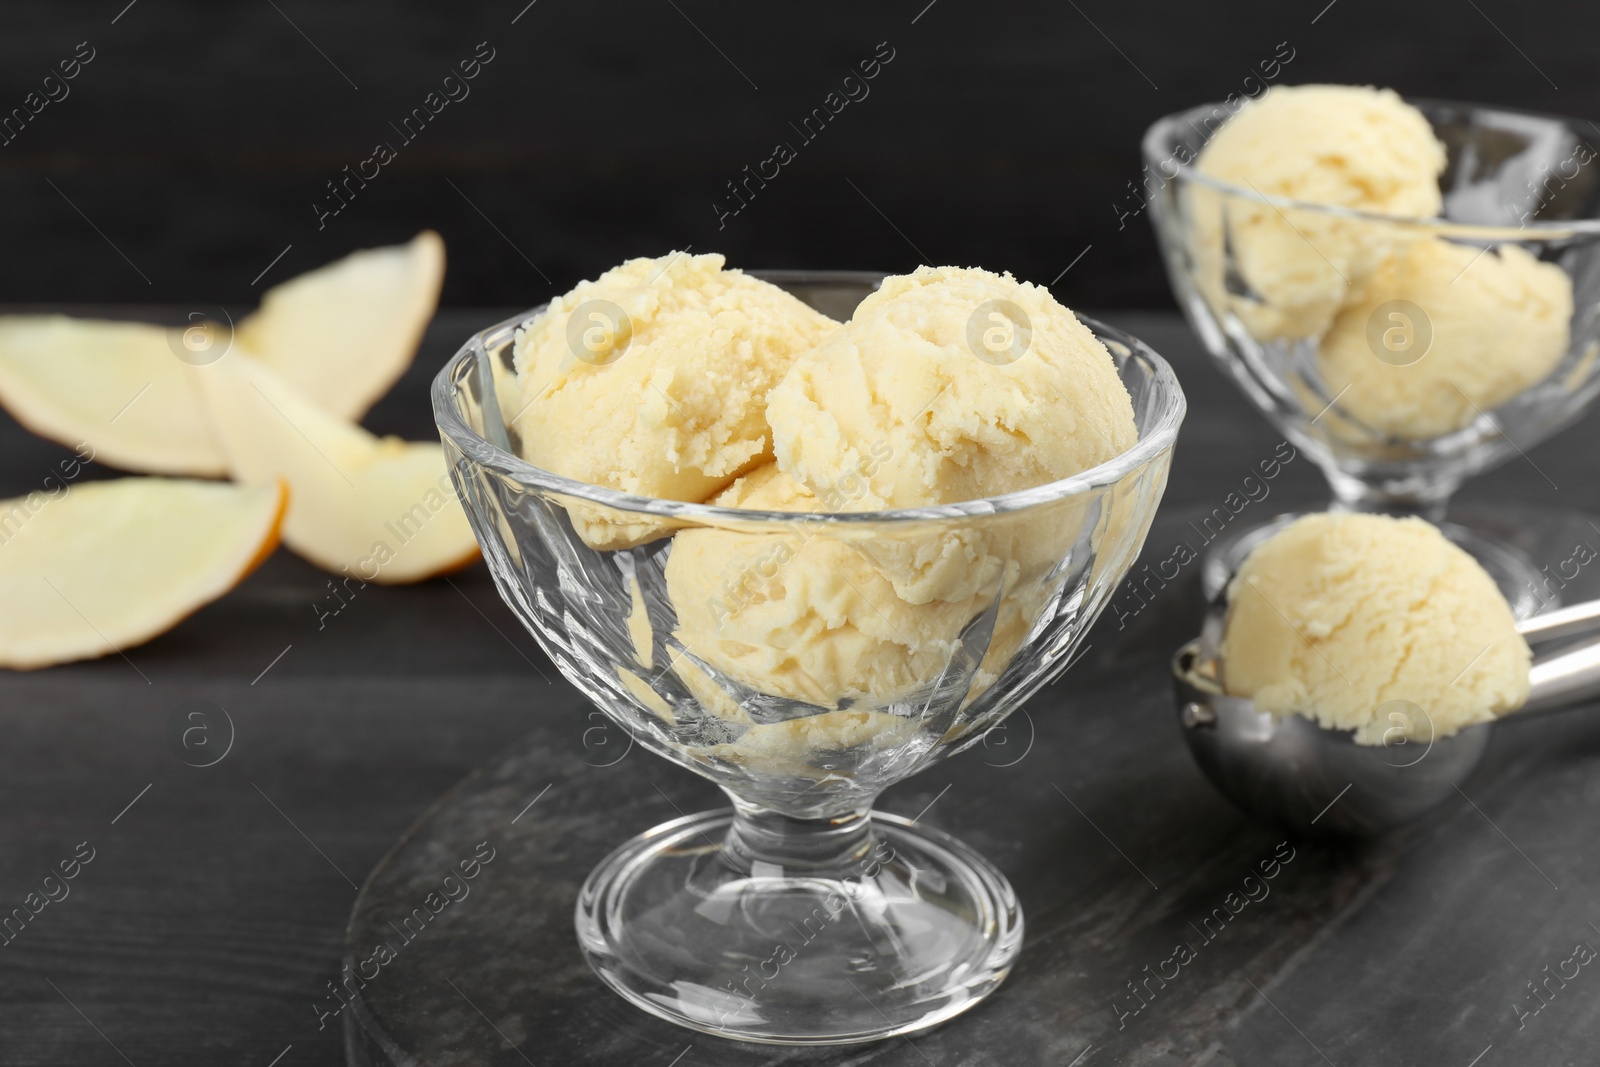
(1536, 230)
(1160, 436)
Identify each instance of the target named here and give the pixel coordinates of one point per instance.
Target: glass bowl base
(916, 930)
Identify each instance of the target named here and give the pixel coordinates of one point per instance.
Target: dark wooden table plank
(211, 915)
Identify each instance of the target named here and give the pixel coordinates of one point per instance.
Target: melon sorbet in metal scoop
(1340, 616)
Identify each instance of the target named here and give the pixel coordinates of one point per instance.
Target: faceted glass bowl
(1512, 179)
(799, 916)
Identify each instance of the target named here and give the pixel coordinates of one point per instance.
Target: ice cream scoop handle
(1575, 620)
(1563, 680)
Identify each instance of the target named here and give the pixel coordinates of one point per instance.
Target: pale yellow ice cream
(1372, 624)
(901, 392)
(1475, 329)
(806, 616)
(652, 380)
(948, 385)
(1347, 146)
(802, 614)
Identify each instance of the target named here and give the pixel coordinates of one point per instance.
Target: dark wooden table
(210, 917)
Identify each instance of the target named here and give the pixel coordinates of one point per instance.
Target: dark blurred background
(191, 150)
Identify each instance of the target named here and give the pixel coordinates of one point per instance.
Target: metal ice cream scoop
(1316, 779)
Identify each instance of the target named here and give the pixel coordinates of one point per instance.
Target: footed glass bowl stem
(1427, 501)
(761, 839)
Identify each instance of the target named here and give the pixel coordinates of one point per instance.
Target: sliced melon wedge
(340, 335)
(344, 333)
(103, 566)
(379, 509)
(115, 387)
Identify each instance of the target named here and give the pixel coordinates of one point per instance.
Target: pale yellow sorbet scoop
(933, 393)
(1345, 618)
(802, 613)
(1443, 332)
(652, 380)
(1348, 146)
(948, 385)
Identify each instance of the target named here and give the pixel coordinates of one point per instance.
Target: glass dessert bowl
(799, 916)
(1403, 354)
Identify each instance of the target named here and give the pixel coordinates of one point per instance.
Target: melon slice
(379, 509)
(103, 566)
(115, 387)
(343, 334)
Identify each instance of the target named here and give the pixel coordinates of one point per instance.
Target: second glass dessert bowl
(1441, 346)
(799, 916)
